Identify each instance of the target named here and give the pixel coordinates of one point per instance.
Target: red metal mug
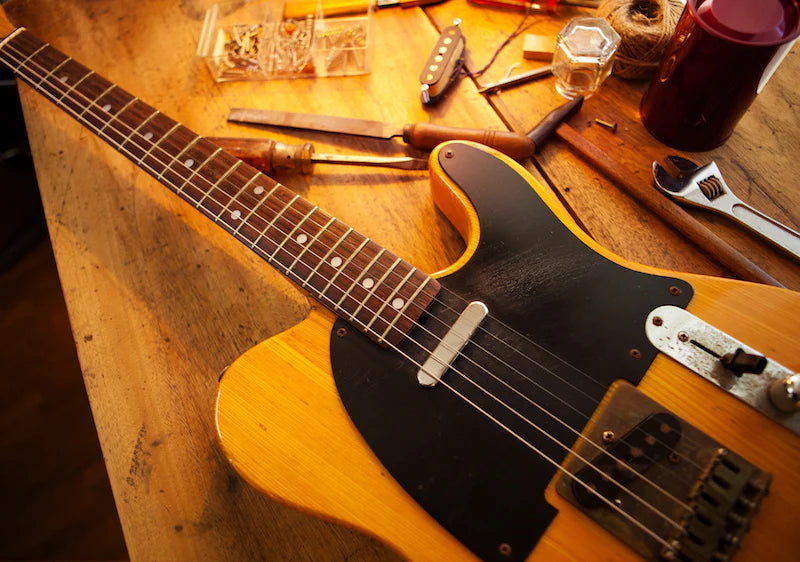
(720, 56)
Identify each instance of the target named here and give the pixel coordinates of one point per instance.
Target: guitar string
(287, 272)
(489, 415)
(547, 370)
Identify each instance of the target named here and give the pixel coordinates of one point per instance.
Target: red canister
(720, 56)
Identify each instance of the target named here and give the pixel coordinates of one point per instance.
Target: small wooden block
(538, 47)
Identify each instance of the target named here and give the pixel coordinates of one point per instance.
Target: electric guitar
(541, 398)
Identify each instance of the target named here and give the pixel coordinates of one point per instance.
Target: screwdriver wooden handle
(427, 136)
(268, 155)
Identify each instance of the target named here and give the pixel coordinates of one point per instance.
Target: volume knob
(785, 393)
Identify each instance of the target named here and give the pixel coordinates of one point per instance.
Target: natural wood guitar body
(283, 426)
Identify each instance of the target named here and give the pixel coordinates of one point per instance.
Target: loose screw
(610, 126)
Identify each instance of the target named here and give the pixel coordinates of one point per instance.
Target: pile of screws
(242, 47)
(291, 48)
(344, 46)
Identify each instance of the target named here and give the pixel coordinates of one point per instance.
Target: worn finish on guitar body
(325, 466)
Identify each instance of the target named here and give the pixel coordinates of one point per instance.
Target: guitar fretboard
(376, 291)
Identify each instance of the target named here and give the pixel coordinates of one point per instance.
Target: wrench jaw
(683, 165)
(696, 185)
(666, 182)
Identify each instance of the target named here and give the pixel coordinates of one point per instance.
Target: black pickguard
(541, 284)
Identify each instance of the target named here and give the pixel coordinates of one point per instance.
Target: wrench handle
(767, 227)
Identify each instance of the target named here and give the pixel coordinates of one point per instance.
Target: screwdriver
(271, 156)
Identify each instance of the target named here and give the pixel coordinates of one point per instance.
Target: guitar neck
(358, 280)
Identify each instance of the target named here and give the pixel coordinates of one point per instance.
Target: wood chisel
(271, 156)
(425, 136)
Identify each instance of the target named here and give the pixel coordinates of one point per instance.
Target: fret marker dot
(148, 135)
(368, 283)
(236, 215)
(189, 162)
(301, 238)
(63, 79)
(107, 107)
(258, 190)
(398, 303)
(336, 261)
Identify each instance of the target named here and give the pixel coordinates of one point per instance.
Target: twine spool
(645, 27)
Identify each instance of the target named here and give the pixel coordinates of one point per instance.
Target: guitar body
(283, 424)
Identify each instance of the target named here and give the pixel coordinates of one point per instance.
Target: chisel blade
(327, 123)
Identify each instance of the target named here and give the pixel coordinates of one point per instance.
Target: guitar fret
(401, 313)
(115, 117)
(232, 199)
(75, 85)
(291, 233)
(216, 185)
(327, 255)
(365, 270)
(377, 284)
(139, 126)
(176, 158)
(391, 295)
(11, 36)
(274, 219)
(195, 172)
(88, 107)
(155, 144)
(309, 245)
(49, 74)
(29, 57)
(341, 269)
(255, 208)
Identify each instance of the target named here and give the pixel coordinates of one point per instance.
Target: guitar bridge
(660, 485)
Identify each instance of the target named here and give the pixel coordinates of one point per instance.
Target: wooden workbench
(160, 300)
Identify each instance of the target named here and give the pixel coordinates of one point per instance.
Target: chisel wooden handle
(428, 136)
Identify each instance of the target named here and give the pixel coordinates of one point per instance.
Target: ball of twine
(645, 27)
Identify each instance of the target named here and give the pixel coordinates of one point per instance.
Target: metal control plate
(676, 332)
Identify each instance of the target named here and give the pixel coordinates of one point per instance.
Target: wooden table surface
(160, 300)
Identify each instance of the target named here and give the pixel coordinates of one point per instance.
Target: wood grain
(160, 300)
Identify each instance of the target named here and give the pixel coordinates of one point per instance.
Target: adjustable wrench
(703, 186)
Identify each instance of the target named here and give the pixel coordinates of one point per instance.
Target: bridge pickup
(661, 485)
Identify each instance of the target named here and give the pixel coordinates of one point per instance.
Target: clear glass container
(584, 55)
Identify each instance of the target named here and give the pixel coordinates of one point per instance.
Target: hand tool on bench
(722, 252)
(703, 186)
(271, 156)
(424, 136)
